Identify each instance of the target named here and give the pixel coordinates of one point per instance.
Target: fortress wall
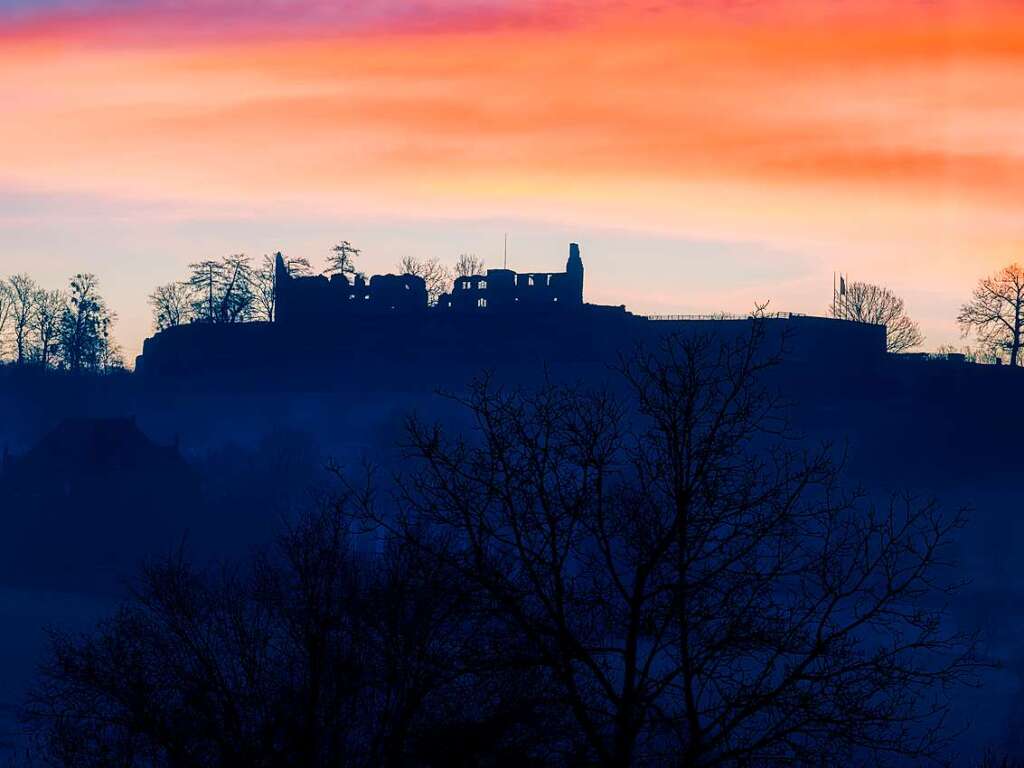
(437, 348)
(804, 339)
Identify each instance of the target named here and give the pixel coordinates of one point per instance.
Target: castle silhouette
(347, 331)
(300, 300)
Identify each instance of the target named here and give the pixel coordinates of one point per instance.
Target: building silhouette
(302, 300)
(347, 331)
(506, 290)
(321, 299)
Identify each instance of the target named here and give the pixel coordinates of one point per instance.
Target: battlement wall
(442, 347)
(803, 337)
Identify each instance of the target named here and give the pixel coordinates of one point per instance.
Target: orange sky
(888, 140)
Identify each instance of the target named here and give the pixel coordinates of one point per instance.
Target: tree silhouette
(697, 588)
(437, 277)
(46, 324)
(85, 327)
(342, 259)
(205, 281)
(867, 303)
(469, 264)
(6, 303)
(171, 304)
(222, 291)
(237, 296)
(265, 287)
(319, 654)
(996, 312)
(22, 291)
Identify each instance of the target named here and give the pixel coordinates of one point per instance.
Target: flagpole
(834, 294)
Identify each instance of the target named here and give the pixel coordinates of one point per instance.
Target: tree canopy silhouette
(318, 654)
(867, 303)
(22, 291)
(995, 312)
(85, 325)
(64, 329)
(469, 264)
(437, 276)
(171, 304)
(695, 584)
(342, 259)
(222, 291)
(46, 324)
(6, 306)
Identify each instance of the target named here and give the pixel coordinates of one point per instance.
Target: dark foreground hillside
(103, 473)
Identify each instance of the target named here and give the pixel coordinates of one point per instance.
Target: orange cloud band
(763, 116)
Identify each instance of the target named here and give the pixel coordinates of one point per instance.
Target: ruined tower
(574, 274)
(281, 280)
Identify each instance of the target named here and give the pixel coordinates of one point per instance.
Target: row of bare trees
(68, 329)
(650, 574)
(994, 316)
(438, 276)
(236, 289)
(230, 290)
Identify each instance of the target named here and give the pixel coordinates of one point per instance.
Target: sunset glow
(887, 140)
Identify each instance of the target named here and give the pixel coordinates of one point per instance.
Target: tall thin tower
(574, 271)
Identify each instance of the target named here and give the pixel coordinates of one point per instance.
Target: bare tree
(205, 281)
(996, 312)
(23, 291)
(469, 264)
(172, 305)
(6, 303)
(265, 288)
(297, 266)
(46, 324)
(237, 294)
(317, 655)
(342, 259)
(696, 596)
(85, 323)
(867, 303)
(222, 291)
(436, 276)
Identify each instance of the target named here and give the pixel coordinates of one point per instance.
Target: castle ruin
(301, 300)
(347, 331)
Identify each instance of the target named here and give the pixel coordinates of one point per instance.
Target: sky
(707, 154)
